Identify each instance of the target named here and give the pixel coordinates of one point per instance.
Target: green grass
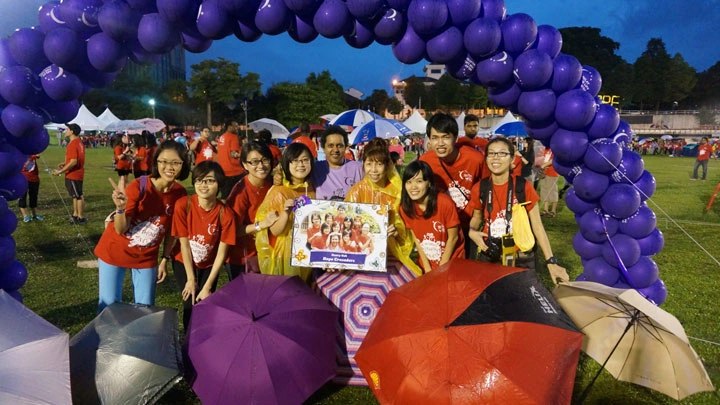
(67, 296)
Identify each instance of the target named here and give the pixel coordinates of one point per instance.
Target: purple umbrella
(261, 340)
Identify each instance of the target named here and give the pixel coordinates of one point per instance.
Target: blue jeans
(111, 284)
(698, 164)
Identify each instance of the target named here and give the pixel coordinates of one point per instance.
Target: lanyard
(508, 209)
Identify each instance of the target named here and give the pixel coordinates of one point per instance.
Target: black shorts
(123, 172)
(74, 188)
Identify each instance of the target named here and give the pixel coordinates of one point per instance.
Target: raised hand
(118, 194)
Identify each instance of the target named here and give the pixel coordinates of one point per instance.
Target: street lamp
(152, 104)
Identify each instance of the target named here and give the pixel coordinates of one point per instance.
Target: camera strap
(455, 183)
(488, 202)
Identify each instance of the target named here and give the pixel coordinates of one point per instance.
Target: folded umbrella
(471, 332)
(633, 339)
(34, 360)
(261, 339)
(127, 354)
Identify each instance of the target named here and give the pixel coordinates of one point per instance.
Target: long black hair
(406, 203)
(182, 153)
(292, 152)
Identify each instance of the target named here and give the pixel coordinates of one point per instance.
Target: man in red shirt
(203, 147)
(74, 169)
(549, 185)
(228, 152)
(471, 125)
(704, 152)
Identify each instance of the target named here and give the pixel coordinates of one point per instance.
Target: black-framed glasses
(304, 162)
(255, 162)
(498, 154)
(206, 182)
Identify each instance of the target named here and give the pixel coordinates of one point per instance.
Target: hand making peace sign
(118, 194)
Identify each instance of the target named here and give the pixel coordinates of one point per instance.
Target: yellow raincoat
(275, 258)
(366, 191)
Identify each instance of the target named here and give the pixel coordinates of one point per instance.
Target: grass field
(66, 295)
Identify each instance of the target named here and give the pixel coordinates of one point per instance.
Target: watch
(551, 260)
(257, 227)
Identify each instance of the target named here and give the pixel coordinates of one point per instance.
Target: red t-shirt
(704, 152)
(548, 157)
(227, 143)
(140, 162)
(478, 143)
(149, 158)
(517, 171)
(204, 152)
(464, 173)
(204, 229)
(497, 226)
(31, 175)
(319, 242)
(432, 232)
(276, 154)
(244, 200)
(121, 163)
(75, 150)
(149, 220)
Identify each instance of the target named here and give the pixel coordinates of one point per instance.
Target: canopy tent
(107, 117)
(508, 118)
(416, 122)
(86, 119)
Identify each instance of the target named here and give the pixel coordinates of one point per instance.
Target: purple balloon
(81, 15)
(390, 28)
(143, 6)
(13, 276)
(494, 10)
(567, 72)
(569, 145)
(630, 169)
(620, 200)
(19, 85)
(49, 17)
(301, 6)
(605, 123)
(567, 169)
(576, 204)
(26, 46)
(581, 277)
(8, 166)
(446, 46)
(157, 35)
(59, 111)
(591, 81)
(532, 69)
(8, 222)
(213, 21)
(304, 32)
(586, 249)
(6, 59)
(139, 55)
(652, 244)
(591, 226)
(575, 109)
(13, 187)
(549, 40)
(194, 44)
(646, 185)
(178, 12)
(20, 121)
(105, 54)
(640, 224)
(603, 155)
(598, 271)
(644, 273)
(64, 48)
(361, 37)
(59, 84)
(247, 31)
(482, 37)
(519, 32)
(627, 248)
(541, 131)
(590, 185)
(495, 70)
(118, 20)
(332, 20)
(33, 144)
(463, 11)
(505, 95)
(656, 292)
(462, 68)
(7, 245)
(538, 105)
(365, 9)
(410, 49)
(427, 17)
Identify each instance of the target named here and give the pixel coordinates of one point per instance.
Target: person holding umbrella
(491, 219)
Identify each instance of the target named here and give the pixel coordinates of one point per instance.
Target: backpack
(143, 186)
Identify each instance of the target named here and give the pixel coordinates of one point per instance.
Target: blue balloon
(49, 17)
(646, 185)
(8, 221)
(494, 10)
(656, 292)
(247, 31)
(106, 54)
(504, 95)
(652, 244)
(644, 273)
(194, 44)
(20, 121)
(156, 34)
(13, 276)
(19, 85)
(118, 21)
(60, 84)
(630, 169)
(620, 200)
(7, 249)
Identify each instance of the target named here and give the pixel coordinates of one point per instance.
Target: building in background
(170, 66)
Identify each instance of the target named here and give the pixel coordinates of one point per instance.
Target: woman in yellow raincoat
(383, 185)
(274, 244)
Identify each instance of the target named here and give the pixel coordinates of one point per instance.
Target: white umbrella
(124, 125)
(378, 128)
(277, 129)
(354, 118)
(152, 124)
(666, 137)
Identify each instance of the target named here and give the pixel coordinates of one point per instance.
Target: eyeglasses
(498, 154)
(206, 182)
(170, 163)
(255, 162)
(304, 162)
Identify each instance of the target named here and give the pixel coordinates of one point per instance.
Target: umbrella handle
(585, 393)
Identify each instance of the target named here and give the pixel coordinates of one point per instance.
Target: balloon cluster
(82, 44)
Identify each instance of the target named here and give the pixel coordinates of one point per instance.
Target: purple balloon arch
(78, 45)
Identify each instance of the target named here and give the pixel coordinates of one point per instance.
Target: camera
(494, 249)
(500, 250)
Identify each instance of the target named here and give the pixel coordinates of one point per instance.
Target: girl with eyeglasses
(206, 231)
(492, 218)
(141, 223)
(274, 243)
(245, 199)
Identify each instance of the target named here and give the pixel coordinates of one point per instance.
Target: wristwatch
(551, 260)
(257, 227)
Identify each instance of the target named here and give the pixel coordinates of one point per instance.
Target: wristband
(257, 227)
(168, 258)
(120, 211)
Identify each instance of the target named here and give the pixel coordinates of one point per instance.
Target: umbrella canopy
(378, 128)
(261, 339)
(124, 125)
(277, 129)
(634, 340)
(327, 117)
(353, 118)
(512, 129)
(666, 137)
(416, 123)
(152, 124)
(107, 117)
(471, 332)
(127, 354)
(359, 296)
(34, 362)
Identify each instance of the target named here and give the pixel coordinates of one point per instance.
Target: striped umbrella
(359, 296)
(378, 128)
(354, 118)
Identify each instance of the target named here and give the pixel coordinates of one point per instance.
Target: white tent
(506, 119)
(416, 123)
(87, 120)
(107, 117)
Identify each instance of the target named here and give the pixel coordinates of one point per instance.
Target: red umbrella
(471, 332)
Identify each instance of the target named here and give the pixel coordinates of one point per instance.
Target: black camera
(500, 250)
(494, 249)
